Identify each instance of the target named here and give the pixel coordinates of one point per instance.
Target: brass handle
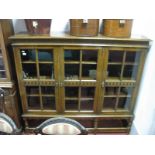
(61, 84)
(85, 21)
(56, 84)
(102, 84)
(35, 24)
(122, 23)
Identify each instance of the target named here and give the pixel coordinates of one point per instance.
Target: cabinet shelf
(45, 62)
(119, 63)
(83, 62)
(33, 95)
(28, 62)
(71, 98)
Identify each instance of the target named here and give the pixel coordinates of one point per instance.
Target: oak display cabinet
(9, 103)
(93, 80)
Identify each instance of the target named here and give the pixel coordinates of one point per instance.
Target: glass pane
(126, 91)
(87, 92)
(89, 55)
(71, 105)
(112, 123)
(88, 71)
(130, 71)
(109, 102)
(2, 74)
(114, 70)
(71, 92)
(32, 90)
(72, 71)
(86, 105)
(111, 91)
(45, 55)
(132, 57)
(1, 64)
(72, 55)
(48, 90)
(29, 71)
(33, 102)
(116, 56)
(28, 55)
(2, 69)
(46, 71)
(124, 102)
(124, 97)
(49, 103)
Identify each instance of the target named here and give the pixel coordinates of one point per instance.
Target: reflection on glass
(114, 70)
(126, 91)
(45, 55)
(28, 54)
(71, 91)
(89, 71)
(130, 71)
(72, 71)
(109, 103)
(29, 71)
(71, 105)
(86, 105)
(47, 90)
(132, 57)
(33, 102)
(32, 90)
(115, 56)
(46, 71)
(123, 102)
(72, 55)
(89, 55)
(49, 103)
(87, 92)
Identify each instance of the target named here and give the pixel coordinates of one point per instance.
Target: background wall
(144, 122)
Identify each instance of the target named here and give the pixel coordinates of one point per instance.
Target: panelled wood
(10, 98)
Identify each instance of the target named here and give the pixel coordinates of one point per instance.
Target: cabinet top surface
(66, 39)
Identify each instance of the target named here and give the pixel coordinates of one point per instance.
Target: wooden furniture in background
(7, 125)
(93, 80)
(117, 27)
(84, 27)
(38, 26)
(8, 99)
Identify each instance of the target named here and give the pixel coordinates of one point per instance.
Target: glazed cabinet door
(120, 79)
(2, 67)
(38, 78)
(79, 76)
